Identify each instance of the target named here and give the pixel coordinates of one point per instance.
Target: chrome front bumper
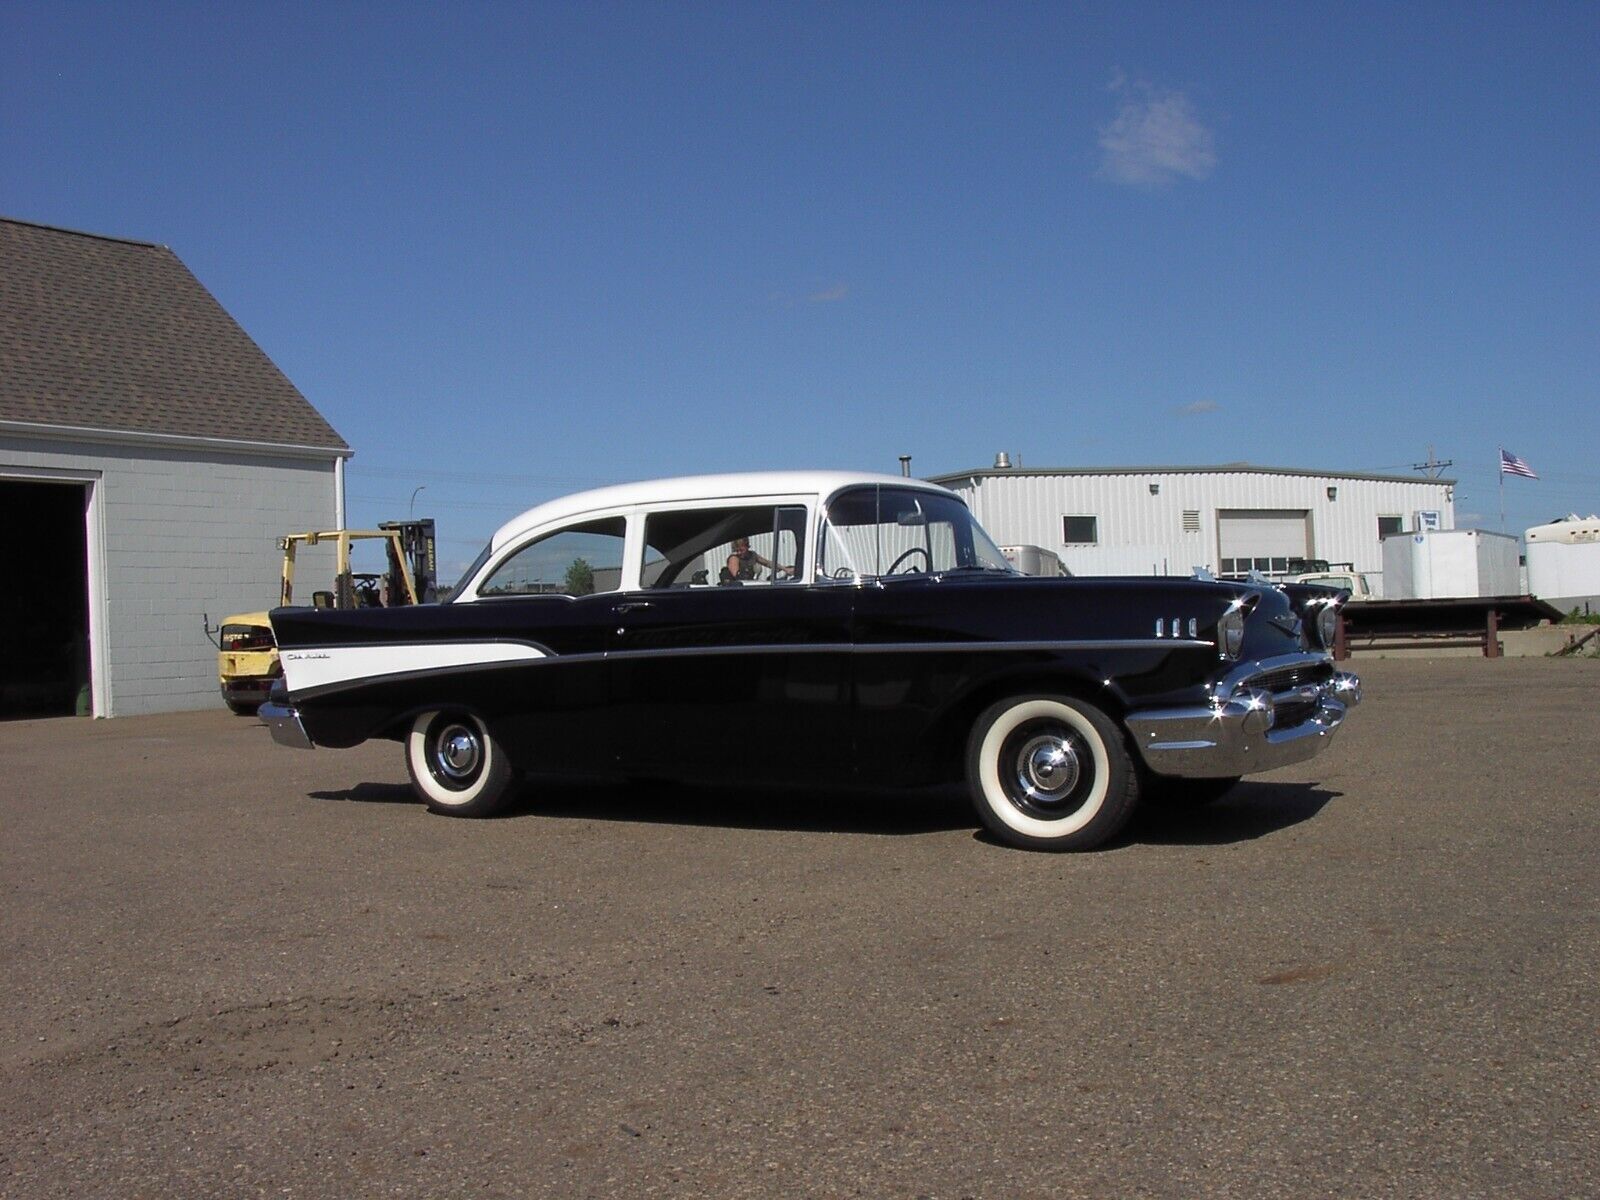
(1247, 727)
(284, 721)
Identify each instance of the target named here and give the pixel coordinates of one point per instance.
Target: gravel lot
(232, 969)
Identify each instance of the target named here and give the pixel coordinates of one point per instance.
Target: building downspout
(338, 492)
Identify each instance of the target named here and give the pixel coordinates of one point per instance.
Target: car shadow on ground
(661, 803)
(372, 793)
(844, 810)
(1249, 811)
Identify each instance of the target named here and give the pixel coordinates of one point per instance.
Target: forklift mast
(417, 553)
(410, 575)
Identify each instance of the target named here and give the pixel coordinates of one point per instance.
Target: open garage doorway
(44, 600)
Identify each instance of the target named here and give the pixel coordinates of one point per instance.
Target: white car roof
(744, 486)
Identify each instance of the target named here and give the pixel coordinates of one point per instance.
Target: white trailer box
(1564, 562)
(1033, 560)
(1434, 564)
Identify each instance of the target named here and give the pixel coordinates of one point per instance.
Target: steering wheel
(842, 572)
(922, 550)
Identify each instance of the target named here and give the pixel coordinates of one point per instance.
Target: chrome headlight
(1230, 633)
(1327, 626)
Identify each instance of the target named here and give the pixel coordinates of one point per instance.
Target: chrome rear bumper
(284, 721)
(1246, 728)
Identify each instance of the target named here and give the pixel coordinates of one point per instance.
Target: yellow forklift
(247, 656)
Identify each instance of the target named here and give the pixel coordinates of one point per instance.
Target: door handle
(631, 605)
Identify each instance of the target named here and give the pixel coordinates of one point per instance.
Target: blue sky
(512, 250)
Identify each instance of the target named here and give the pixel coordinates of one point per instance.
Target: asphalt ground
(234, 969)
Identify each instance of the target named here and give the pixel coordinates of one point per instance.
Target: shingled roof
(101, 333)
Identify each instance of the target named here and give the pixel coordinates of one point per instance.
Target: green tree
(580, 578)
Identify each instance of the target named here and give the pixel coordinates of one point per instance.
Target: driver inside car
(746, 566)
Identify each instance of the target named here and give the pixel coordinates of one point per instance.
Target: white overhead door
(1263, 539)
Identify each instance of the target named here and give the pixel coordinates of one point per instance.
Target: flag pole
(1502, 467)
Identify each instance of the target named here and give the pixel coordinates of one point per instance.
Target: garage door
(1263, 539)
(44, 607)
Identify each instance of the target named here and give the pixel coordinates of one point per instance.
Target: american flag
(1510, 464)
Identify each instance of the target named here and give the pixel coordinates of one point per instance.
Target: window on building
(1388, 525)
(1266, 564)
(1080, 531)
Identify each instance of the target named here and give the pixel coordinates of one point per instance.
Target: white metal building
(150, 457)
(1230, 518)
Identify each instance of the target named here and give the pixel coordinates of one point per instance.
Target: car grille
(1284, 678)
(1287, 716)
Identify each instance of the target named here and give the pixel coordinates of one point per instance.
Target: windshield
(872, 532)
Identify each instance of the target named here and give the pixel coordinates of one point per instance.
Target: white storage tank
(1564, 562)
(1437, 564)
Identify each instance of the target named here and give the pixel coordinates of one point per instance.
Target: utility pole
(1433, 466)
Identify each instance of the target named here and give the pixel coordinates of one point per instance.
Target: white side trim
(304, 670)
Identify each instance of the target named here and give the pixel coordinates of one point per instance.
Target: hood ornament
(1287, 622)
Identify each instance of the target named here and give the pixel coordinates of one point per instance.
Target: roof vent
(1002, 461)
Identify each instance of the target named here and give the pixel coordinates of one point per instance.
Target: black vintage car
(817, 628)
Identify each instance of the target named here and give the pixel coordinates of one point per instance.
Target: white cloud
(830, 295)
(1154, 138)
(1198, 407)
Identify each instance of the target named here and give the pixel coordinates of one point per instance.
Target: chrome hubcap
(1047, 768)
(457, 754)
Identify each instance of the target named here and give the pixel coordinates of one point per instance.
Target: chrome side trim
(552, 659)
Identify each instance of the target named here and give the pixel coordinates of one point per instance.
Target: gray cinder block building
(150, 457)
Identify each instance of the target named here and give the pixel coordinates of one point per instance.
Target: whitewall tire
(1050, 773)
(455, 766)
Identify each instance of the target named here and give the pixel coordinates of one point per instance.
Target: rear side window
(576, 561)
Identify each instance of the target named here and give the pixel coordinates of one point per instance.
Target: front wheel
(456, 767)
(1050, 773)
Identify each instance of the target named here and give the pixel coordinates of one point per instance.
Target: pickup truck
(1353, 582)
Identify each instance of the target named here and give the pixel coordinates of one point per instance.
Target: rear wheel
(456, 767)
(1050, 773)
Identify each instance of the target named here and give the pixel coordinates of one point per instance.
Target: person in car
(745, 565)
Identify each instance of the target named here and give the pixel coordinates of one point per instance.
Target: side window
(709, 547)
(1389, 525)
(576, 561)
